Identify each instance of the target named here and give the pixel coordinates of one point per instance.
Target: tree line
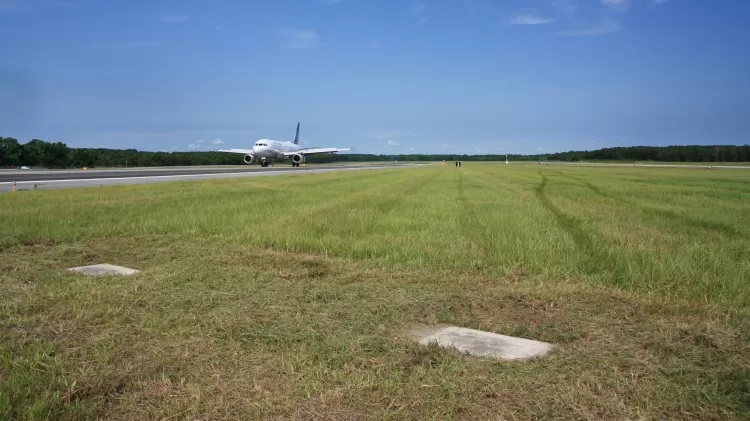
(39, 153)
(717, 153)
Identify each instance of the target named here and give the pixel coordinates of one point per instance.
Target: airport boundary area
(293, 296)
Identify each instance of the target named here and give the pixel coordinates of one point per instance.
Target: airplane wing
(244, 151)
(312, 151)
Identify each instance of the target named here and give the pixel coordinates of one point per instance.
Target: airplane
(268, 149)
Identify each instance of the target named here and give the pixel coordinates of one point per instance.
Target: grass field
(290, 296)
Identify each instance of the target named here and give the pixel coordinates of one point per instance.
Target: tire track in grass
(487, 178)
(593, 188)
(395, 197)
(481, 228)
(480, 225)
(351, 193)
(461, 195)
(594, 258)
(474, 232)
(423, 223)
(385, 204)
(725, 229)
(332, 199)
(600, 259)
(291, 190)
(736, 186)
(316, 222)
(371, 234)
(389, 205)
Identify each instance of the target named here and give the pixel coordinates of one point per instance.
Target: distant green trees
(34, 153)
(39, 153)
(10, 152)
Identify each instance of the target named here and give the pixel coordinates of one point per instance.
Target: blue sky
(448, 76)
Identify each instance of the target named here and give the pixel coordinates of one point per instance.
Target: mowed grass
(291, 296)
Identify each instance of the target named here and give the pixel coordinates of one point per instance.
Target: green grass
(291, 296)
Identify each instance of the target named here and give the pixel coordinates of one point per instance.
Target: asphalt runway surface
(57, 179)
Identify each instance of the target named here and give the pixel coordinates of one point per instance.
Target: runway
(58, 179)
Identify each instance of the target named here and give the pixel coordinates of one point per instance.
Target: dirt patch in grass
(210, 331)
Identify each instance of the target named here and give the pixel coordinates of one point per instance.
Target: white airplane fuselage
(273, 149)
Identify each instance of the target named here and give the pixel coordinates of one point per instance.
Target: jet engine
(298, 159)
(249, 159)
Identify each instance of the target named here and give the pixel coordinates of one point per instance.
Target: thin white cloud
(193, 146)
(294, 38)
(619, 5)
(607, 26)
(392, 143)
(218, 142)
(530, 20)
(419, 12)
(200, 140)
(173, 19)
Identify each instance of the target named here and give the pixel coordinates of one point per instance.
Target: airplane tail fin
(296, 136)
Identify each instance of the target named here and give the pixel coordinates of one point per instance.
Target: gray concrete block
(104, 269)
(482, 344)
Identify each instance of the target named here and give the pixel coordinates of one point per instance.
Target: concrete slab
(104, 269)
(482, 344)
